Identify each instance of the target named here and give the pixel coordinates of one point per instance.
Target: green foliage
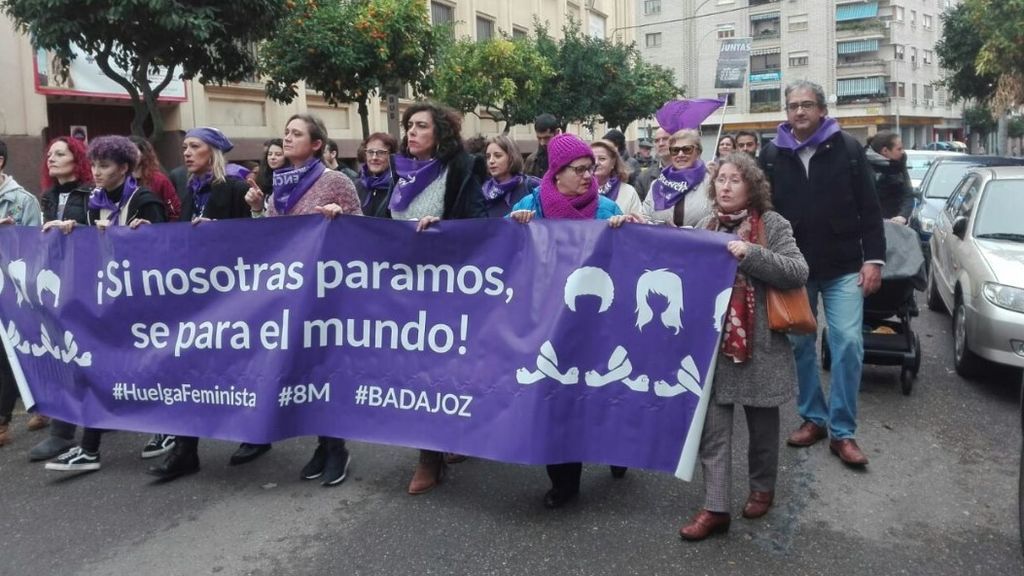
(980, 119)
(504, 76)
(349, 50)
(205, 39)
(958, 51)
(1015, 127)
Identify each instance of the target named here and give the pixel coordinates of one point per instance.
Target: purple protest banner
(538, 343)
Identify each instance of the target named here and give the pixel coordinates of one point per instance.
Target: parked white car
(977, 267)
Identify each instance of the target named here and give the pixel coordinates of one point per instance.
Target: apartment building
(875, 59)
(35, 107)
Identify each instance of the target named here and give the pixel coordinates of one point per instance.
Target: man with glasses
(545, 127)
(822, 184)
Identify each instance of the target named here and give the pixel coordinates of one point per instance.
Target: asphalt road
(939, 497)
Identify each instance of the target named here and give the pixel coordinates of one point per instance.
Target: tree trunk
(364, 117)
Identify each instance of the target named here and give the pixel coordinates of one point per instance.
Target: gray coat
(768, 378)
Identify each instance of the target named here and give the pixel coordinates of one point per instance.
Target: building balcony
(872, 27)
(862, 67)
(763, 2)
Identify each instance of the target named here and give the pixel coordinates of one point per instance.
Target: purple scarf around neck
(291, 184)
(373, 182)
(558, 206)
(674, 184)
(784, 135)
(201, 191)
(611, 189)
(413, 178)
(493, 189)
(99, 200)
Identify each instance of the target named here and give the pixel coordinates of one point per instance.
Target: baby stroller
(889, 339)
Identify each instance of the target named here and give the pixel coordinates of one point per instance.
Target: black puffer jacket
(892, 183)
(76, 207)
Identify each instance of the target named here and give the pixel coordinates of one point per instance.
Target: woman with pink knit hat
(568, 191)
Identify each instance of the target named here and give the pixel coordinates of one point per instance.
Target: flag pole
(721, 121)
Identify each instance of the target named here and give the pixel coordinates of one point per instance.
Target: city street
(939, 497)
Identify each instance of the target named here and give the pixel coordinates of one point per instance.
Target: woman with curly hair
(755, 367)
(437, 180)
(150, 174)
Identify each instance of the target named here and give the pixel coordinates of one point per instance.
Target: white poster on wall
(85, 78)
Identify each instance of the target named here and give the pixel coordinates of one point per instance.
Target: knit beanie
(562, 150)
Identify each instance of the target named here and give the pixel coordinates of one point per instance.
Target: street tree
(143, 46)
(349, 51)
(958, 51)
(634, 89)
(504, 76)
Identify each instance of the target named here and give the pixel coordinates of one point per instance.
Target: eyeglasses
(722, 181)
(583, 169)
(805, 105)
(377, 153)
(677, 150)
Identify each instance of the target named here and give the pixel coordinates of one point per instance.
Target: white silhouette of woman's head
(666, 284)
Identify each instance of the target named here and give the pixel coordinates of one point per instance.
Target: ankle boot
(183, 460)
(429, 472)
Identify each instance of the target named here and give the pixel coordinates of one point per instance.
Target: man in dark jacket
(892, 181)
(821, 183)
(545, 127)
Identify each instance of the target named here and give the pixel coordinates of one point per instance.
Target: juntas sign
(733, 59)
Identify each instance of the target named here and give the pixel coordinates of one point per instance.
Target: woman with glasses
(436, 180)
(679, 196)
(507, 184)
(755, 367)
(375, 175)
(612, 174)
(568, 191)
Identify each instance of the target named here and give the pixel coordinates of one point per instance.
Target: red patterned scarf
(738, 342)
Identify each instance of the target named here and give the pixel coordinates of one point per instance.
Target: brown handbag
(790, 311)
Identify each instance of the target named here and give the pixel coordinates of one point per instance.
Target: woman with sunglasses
(375, 175)
(679, 196)
(568, 191)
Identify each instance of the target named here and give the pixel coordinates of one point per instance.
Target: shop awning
(765, 16)
(872, 86)
(856, 11)
(858, 46)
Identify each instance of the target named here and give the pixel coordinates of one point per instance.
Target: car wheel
(934, 300)
(965, 361)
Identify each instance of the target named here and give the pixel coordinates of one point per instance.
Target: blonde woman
(612, 175)
(678, 197)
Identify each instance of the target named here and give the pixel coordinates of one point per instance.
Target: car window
(969, 196)
(917, 164)
(956, 199)
(945, 177)
(998, 214)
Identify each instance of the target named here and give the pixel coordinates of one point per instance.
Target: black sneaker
(336, 468)
(158, 445)
(75, 460)
(315, 467)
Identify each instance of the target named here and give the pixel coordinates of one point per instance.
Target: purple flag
(538, 343)
(676, 115)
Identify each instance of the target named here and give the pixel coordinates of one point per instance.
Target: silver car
(977, 267)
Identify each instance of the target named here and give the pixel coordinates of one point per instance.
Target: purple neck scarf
(201, 191)
(99, 200)
(291, 184)
(373, 182)
(413, 178)
(493, 189)
(784, 135)
(610, 189)
(673, 184)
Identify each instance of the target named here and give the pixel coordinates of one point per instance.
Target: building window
(726, 31)
(928, 56)
(518, 32)
(597, 25)
(729, 97)
(798, 22)
(572, 9)
(798, 59)
(896, 89)
(898, 13)
(898, 51)
(652, 7)
(765, 62)
(765, 100)
(929, 92)
(765, 25)
(913, 57)
(926, 21)
(913, 18)
(441, 13)
(652, 40)
(484, 29)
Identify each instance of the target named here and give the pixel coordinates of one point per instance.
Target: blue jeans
(844, 315)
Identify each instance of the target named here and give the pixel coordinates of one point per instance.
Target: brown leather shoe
(704, 524)
(848, 452)
(429, 472)
(5, 435)
(37, 422)
(758, 504)
(806, 435)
